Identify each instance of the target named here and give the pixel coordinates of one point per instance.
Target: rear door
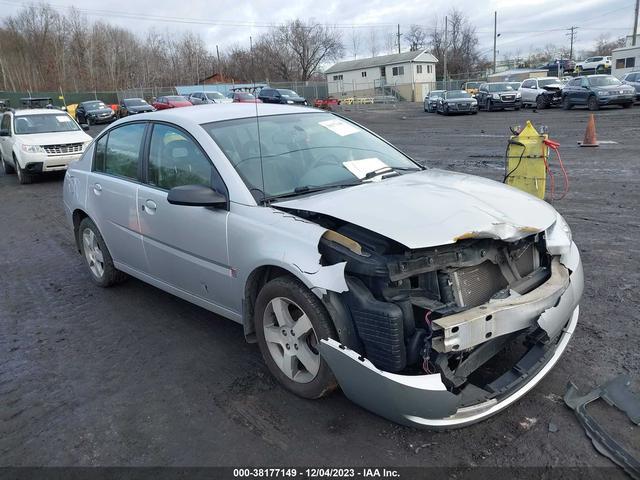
(112, 189)
(186, 246)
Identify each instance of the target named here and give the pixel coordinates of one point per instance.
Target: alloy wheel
(291, 340)
(93, 253)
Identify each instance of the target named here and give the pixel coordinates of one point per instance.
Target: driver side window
(175, 160)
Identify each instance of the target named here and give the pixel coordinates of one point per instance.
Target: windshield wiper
(310, 189)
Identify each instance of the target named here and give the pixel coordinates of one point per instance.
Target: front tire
(592, 103)
(627, 105)
(566, 103)
(489, 106)
(24, 178)
(541, 103)
(8, 169)
(97, 256)
(290, 321)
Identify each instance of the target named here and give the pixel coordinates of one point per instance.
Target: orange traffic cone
(590, 139)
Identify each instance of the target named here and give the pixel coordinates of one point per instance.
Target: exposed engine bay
(403, 302)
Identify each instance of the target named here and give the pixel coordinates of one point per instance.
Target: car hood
(294, 99)
(141, 108)
(461, 100)
(98, 111)
(614, 88)
(54, 138)
(553, 87)
(432, 208)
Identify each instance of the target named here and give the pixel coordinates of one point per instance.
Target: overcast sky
(522, 25)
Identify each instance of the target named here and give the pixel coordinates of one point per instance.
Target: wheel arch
(332, 301)
(77, 216)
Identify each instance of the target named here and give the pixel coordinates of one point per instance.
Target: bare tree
(374, 47)
(462, 44)
(355, 41)
(416, 37)
(604, 46)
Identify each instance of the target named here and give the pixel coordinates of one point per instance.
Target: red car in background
(244, 97)
(326, 103)
(170, 101)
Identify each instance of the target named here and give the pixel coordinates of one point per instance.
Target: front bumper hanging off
(424, 401)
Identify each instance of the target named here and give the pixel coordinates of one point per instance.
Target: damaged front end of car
(449, 335)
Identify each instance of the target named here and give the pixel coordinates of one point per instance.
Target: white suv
(598, 64)
(39, 141)
(541, 92)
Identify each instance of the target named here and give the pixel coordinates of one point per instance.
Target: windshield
(603, 81)
(288, 93)
(175, 98)
(472, 84)
(94, 105)
(436, 94)
(135, 102)
(499, 87)
(456, 94)
(303, 151)
(44, 123)
(548, 81)
(217, 95)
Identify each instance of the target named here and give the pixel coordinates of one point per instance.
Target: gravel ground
(134, 376)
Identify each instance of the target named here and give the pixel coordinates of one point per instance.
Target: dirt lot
(134, 376)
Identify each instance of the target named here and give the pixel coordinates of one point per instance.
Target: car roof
(38, 111)
(224, 111)
(133, 98)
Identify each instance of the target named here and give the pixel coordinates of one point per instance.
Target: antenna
(255, 102)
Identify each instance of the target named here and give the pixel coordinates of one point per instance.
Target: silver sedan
(432, 298)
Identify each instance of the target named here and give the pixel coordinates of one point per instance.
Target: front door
(186, 246)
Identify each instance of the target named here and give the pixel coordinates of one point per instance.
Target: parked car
(39, 141)
(132, 106)
(456, 101)
(244, 97)
(93, 112)
(541, 92)
(471, 87)
(326, 103)
(599, 64)
(633, 79)
(281, 95)
(315, 237)
(200, 98)
(595, 91)
(170, 101)
(498, 96)
(566, 66)
(431, 100)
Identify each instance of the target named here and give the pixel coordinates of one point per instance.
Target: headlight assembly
(32, 149)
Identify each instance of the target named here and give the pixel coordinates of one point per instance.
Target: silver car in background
(432, 298)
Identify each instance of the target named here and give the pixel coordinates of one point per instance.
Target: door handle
(149, 206)
(97, 188)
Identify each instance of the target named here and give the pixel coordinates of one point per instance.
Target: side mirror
(4, 132)
(196, 196)
(84, 126)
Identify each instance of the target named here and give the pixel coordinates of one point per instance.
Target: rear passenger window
(118, 152)
(175, 159)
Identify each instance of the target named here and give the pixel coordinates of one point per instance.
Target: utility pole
(495, 38)
(398, 38)
(572, 37)
(444, 76)
(635, 25)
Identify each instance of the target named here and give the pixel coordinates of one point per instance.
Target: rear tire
(290, 321)
(592, 103)
(627, 105)
(97, 256)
